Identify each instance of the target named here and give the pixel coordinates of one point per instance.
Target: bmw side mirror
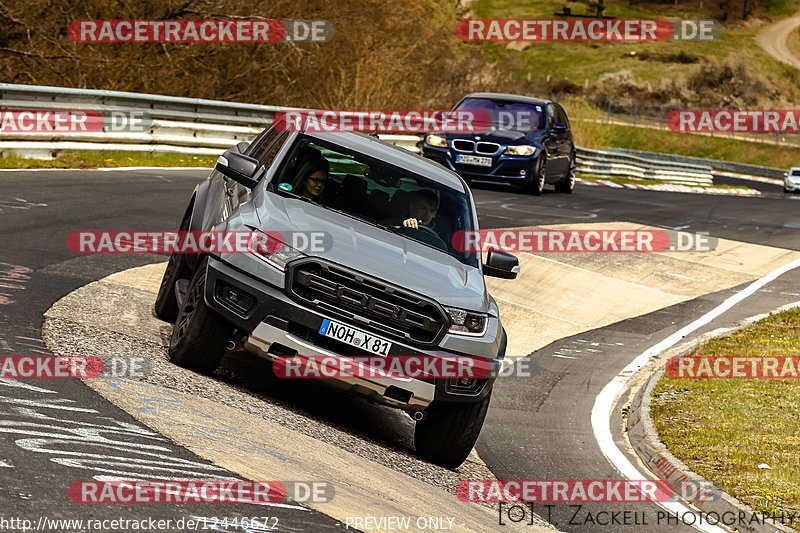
(238, 167)
(501, 265)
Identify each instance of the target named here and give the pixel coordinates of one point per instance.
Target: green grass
(793, 42)
(109, 159)
(652, 140)
(589, 61)
(724, 428)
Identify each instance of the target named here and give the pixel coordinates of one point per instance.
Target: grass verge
(703, 146)
(724, 428)
(593, 134)
(652, 61)
(793, 42)
(81, 159)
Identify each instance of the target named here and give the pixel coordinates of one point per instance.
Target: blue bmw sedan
(528, 141)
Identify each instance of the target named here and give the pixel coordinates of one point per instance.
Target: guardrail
(605, 163)
(205, 127)
(715, 164)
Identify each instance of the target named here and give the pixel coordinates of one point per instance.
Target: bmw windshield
(507, 114)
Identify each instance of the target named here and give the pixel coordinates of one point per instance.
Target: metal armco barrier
(205, 127)
(605, 163)
(195, 125)
(728, 166)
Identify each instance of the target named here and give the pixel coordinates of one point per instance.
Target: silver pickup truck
(386, 279)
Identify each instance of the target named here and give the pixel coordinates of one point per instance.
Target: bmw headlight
(436, 140)
(467, 322)
(522, 149)
(270, 247)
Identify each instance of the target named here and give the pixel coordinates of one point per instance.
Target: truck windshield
(378, 193)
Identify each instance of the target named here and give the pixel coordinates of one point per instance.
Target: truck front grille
(365, 301)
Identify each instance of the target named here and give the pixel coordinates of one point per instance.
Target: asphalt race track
(57, 432)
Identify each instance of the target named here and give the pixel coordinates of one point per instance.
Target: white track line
(604, 403)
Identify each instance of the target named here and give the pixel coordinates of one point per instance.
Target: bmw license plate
(473, 160)
(355, 337)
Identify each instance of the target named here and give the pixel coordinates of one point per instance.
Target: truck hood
(377, 252)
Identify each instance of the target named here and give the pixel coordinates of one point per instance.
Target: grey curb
(643, 437)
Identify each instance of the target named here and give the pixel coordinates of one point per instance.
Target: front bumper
(278, 326)
(789, 186)
(505, 168)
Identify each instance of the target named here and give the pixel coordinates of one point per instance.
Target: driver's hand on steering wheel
(411, 223)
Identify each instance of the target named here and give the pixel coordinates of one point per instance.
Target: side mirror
(558, 128)
(501, 265)
(239, 168)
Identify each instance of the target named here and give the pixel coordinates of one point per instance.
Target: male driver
(422, 207)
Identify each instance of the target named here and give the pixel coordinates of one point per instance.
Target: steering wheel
(433, 238)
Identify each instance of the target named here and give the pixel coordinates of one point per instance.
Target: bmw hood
(499, 135)
(361, 246)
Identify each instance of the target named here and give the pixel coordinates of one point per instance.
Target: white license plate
(474, 160)
(355, 337)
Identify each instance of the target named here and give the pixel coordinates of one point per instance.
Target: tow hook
(237, 342)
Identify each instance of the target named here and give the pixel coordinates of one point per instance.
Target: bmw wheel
(567, 184)
(535, 183)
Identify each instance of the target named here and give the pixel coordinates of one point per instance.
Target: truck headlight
(270, 247)
(522, 149)
(436, 140)
(466, 322)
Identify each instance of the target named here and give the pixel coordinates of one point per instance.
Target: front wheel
(449, 431)
(535, 183)
(567, 184)
(166, 306)
(200, 336)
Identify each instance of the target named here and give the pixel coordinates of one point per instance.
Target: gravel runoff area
(81, 324)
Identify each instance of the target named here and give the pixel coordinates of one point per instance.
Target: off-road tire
(200, 336)
(166, 306)
(448, 432)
